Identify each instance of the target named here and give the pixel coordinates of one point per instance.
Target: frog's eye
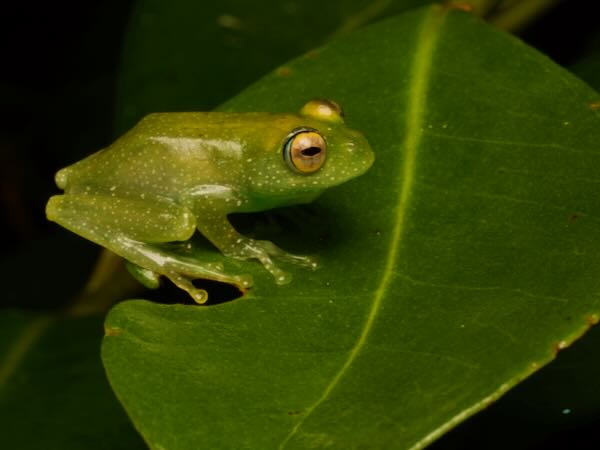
(305, 150)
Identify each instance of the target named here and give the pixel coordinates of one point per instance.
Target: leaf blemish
(592, 319)
(594, 106)
(283, 71)
(573, 217)
(112, 331)
(461, 6)
(560, 345)
(294, 413)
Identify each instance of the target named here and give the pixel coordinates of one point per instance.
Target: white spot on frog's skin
(209, 190)
(113, 188)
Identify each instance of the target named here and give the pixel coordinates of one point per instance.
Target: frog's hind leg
(134, 229)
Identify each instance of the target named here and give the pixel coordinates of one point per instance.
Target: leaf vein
(503, 142)
(461, 287)
(417, 93)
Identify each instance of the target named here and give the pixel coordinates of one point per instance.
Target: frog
(175, 174)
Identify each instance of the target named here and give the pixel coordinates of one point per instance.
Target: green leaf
(53, 391)
(461, 263)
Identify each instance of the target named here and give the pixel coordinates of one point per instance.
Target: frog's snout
(363, 156)
(369, 156)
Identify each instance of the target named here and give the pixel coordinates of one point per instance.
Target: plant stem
(108, 283)
(517, 15)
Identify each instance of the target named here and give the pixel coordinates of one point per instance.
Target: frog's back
(164, 153)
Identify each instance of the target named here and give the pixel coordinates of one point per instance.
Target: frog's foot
(181, 271)
(190, 268)
(263, 251)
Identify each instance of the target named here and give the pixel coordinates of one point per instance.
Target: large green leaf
(462, 262)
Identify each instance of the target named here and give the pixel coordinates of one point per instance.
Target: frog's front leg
(212, 222)
(222, 234)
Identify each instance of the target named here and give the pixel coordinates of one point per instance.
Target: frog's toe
(291, 258)
(282, 277)
(200, 296)
(244, 281)
(311, 262)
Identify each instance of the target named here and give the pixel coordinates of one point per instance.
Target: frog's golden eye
(305, 150)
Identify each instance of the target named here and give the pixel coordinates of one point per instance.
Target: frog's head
(315, 151)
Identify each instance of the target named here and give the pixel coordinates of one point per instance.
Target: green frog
(175, 173)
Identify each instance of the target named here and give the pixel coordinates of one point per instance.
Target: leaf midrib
(429, 31)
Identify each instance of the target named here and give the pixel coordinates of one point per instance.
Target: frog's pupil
(311, 151)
